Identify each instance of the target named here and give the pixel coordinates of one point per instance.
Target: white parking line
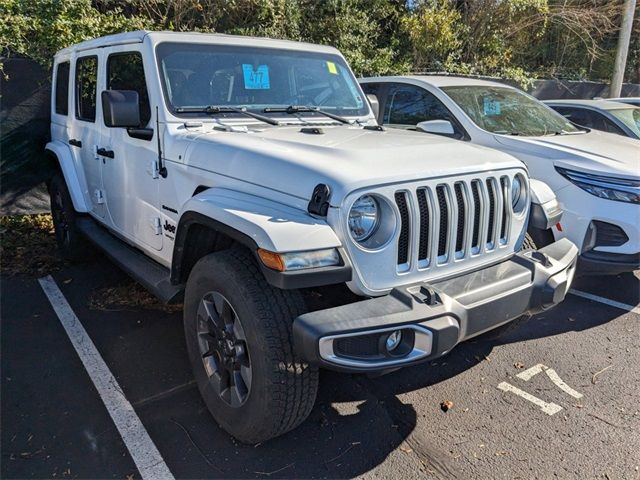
(142, 449)
(548, 408)
(606, 301)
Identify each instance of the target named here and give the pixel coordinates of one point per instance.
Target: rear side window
(408, 105)
(62, 89)
(86, 87)
(125, 72)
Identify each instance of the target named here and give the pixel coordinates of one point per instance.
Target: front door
(129, 174)
(86, 134)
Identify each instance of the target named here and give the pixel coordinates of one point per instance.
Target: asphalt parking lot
(560, 398)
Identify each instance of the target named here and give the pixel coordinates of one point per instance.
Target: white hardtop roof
(445, 80)
(139, 36)
(601, 104)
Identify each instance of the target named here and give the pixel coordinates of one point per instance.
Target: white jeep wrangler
(235, 173)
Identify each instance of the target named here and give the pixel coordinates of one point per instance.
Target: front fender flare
(254, 222)
(64, 157)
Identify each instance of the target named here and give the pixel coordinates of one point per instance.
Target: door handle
(75, 143)
(103, 152)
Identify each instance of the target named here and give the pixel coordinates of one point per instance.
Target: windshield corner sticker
(256, 78)
(491, 107)
(332, 68)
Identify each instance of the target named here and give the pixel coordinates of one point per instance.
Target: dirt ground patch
(127, 296)
(28, 245)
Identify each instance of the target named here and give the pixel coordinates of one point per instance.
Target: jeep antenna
(162, 170)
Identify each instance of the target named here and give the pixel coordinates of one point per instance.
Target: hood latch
(319, 203)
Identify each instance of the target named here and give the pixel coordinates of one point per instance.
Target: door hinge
(99, 196)
(156, 225)
(153, 169)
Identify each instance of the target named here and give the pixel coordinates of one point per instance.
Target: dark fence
(24, 132)
(24, 128)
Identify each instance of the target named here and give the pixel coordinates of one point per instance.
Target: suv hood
(346, 158)
(592, 152)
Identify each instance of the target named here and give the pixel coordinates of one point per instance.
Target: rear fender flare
(62, 154)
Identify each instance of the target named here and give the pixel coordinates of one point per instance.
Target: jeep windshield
(255, 79)
(509, 112)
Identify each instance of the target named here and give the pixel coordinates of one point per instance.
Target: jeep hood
(592, 152)
(290, 160)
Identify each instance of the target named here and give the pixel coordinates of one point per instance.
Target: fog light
(393, 340)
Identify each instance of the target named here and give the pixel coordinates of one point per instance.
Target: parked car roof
(442, 80)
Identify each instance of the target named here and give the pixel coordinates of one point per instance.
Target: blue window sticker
(491, 107)
(256, 79)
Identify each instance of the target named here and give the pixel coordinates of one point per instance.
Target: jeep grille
(444, 226)
(452, 218)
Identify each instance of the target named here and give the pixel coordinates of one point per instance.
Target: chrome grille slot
(475, 189)
(443, 207)
(462, 218)
(423, 208)
(492, 215)
(506, 195)
(403, 239)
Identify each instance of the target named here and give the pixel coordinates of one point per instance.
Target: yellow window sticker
(332, 68)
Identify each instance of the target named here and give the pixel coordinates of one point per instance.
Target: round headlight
(363, 218)
(516, 190)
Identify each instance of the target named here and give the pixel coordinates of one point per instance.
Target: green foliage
(515, 39)
(39, 28)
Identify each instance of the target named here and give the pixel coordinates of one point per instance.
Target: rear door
(86, 132)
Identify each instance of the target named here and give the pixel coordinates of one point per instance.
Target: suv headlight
(372, 221)
(364, 218)
(616, 189)
(519, 193)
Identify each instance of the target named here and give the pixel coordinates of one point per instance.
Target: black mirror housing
(120, 108)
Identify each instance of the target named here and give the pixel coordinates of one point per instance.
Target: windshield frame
(444, 89)
(365, 111)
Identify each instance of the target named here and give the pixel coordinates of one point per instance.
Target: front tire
(239, 340)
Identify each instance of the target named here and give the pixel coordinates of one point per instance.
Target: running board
(153, 276)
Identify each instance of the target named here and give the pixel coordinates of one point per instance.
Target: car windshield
(201, 75)
(507, 111)
(629, 116)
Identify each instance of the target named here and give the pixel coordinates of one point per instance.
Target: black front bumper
(438, 315)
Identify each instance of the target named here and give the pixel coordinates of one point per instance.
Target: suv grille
(452, 218)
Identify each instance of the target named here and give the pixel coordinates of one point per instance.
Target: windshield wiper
(291, 109)
(214, 109)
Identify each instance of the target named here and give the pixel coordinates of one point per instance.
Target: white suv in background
(595, 175)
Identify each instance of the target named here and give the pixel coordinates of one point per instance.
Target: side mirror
(439, 127)
(120, 108)
(375, 104)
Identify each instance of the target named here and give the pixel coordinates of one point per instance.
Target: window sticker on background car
(332, 68)
(256, 79)
(491, 107)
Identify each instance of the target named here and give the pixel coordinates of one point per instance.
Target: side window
(86, 85)
(62, 89)
(579, 116)
(609, 126)
(126, 72)
(407, 105)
